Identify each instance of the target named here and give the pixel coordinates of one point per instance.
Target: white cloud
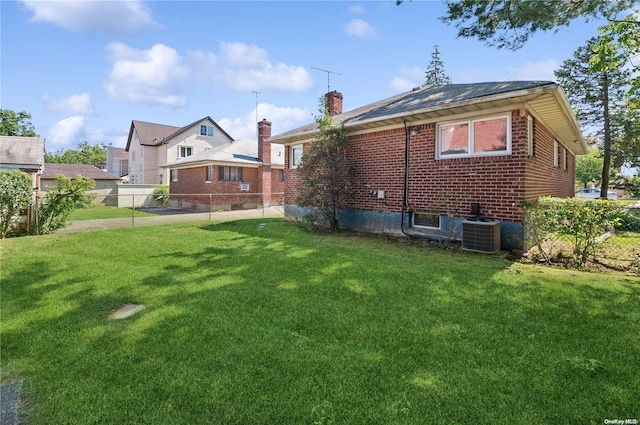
(359, 28)
(153, 76)
(114, 18)
(78, 104)
(282, 119)
(542, 70)
(241, 66)
(356, 10)
(66, 132)
(408, 79)
(117, 138)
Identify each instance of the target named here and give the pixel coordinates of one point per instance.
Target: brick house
(236, 175)
(152, 145)
(432, 158)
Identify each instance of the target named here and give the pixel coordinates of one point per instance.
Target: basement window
(430, 221)
(485, 136)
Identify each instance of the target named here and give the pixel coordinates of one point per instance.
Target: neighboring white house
(152, 145)
(117, 161)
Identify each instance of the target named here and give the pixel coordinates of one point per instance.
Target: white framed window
(174, 175)
(430, 221)
(230, 174)
(185, 151)
(485, 136)
(209, 173)
(529, 135)
(296, 156)
(556, 147)
(206, 130)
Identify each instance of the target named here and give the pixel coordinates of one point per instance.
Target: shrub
(551, 223)
(161, 194)
(16, 193)
(67, 195)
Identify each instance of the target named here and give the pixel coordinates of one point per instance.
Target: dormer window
(206, 130)
(185, 151)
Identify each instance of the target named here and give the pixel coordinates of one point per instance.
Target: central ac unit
(481, 235)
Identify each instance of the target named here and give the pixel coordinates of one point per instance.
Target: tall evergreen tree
(435, 74)
(600, 92)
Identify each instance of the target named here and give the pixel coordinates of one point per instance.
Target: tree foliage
(67, 195)
(16, 192)
(510, 23)
(16, 124)
(435, 74)
(326, 174)
(84, 154)
(589, 167)
(602, 95)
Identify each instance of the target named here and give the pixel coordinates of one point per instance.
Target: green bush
(67, 195)
(16, 193)
(161, 194)
(574, 221)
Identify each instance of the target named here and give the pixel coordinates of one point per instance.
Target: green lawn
(94, 213)
(251, 325)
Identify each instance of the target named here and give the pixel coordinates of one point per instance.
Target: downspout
(405, 192)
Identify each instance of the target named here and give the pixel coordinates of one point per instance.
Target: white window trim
(529, 135)
(174, 175)
(421, 226)
(556, 147)
(209, 173)
(207, 130)
(180, 147)
(564, 159)
(292, 165)
(470, 145)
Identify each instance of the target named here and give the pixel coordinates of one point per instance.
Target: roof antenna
(328, 73)
(256, 93)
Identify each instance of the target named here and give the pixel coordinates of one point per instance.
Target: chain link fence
(134, 210)
(602, 236)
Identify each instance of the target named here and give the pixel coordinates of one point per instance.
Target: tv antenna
(256, 93)
(328, 74)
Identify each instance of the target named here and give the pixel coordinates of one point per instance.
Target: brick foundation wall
(448, 186)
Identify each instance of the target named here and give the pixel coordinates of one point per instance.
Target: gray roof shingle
(72, 170)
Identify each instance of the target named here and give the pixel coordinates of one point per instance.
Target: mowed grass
(251, 324)
(96, 213)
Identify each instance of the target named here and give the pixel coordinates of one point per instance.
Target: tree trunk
(606, 164)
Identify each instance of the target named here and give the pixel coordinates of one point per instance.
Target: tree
(85, 154)
(599, 92)
(589, 167)
(435, 74)
(16, 191)
(67, 195)
(16, 124)
(510, 23)
(326, 174)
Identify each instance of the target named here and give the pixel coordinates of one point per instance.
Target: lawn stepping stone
(127, 310)
(9, 402)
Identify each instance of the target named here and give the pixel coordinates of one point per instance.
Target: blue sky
(85, 69)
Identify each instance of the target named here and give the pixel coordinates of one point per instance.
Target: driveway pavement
(168, 216)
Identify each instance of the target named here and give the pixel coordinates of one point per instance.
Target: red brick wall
(449, 186)
(191, 182)
(542, 177)
(277, 187)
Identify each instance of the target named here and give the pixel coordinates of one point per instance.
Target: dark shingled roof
(420, 99)
(72, 170)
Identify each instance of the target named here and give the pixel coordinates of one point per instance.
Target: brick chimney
(264, 154)
(264, 146)
(333, 103)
